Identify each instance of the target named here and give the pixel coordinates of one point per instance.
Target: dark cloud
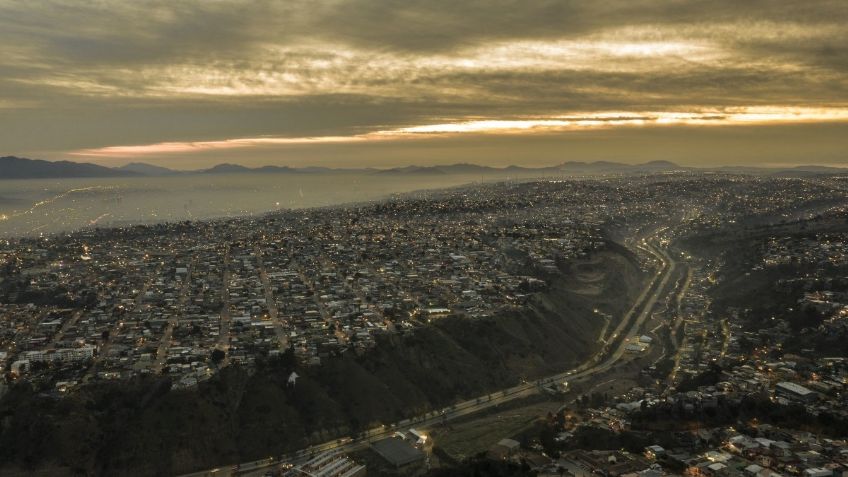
(447, 24)
(149, 31)
(79, 74)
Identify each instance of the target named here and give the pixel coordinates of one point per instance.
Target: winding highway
(629, 326)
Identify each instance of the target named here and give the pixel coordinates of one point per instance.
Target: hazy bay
(44, 206)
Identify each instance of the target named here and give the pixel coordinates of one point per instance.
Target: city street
(628, 328)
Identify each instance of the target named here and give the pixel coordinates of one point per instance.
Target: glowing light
(277, 70)
(576, 121)
(480, 126)
(750, 115)
(197, 146)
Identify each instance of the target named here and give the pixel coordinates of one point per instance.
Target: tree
(288, 359)
(218, 355)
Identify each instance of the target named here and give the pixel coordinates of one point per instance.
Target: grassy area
(468, 438)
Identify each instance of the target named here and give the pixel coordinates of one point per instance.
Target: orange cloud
(723, 117)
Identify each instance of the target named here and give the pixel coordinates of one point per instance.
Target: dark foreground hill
(145, 428)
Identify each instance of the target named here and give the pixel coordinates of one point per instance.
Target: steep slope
(143, 428)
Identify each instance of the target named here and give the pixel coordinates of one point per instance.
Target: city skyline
(359, 84)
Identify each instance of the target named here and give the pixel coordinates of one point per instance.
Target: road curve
(630, 324)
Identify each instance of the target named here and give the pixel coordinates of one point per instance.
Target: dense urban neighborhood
(699, 327)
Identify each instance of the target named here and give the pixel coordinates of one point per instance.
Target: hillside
(781, 288)
(143, 428)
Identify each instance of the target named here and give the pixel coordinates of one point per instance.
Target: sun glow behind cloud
(317, 68)
(573, 122)
(334, 68)
(272, 77)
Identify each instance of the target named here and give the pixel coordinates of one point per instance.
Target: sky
(382, 83)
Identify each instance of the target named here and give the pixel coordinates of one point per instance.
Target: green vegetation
(710, 377)
(778, 288)
(470, 438)
(594, 438)
(749, 410)
(482, 467)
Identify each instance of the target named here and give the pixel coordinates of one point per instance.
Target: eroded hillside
(144, 428)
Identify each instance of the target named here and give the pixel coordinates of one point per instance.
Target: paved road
(167, 335)
(630, 325)
(113, 331)
(224, 331)
(270, 301)
(679, 306)
(679, 343)
(68, 324)
(225, 316)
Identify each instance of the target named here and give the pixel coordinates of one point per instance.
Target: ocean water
(48, 206)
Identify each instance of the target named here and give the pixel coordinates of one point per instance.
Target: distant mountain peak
(226, 168)
(660, 163)
(12, 167)
(147, 169)
(618, 167)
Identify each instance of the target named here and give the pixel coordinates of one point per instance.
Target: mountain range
(12, 167)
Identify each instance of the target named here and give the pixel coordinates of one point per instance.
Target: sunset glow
(728, 117)
(327, 83)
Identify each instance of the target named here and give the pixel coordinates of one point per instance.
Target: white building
(64, 355)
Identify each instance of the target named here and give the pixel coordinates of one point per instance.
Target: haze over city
(368, 84)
